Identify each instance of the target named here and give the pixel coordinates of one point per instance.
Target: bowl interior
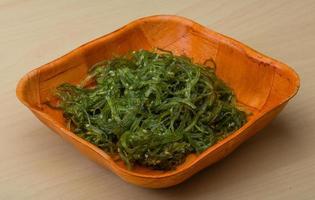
(260, 83)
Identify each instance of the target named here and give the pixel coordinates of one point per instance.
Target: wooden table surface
(278, 163)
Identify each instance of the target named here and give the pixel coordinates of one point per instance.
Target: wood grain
(276, 164)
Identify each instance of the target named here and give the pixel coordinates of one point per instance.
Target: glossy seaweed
(151, 108)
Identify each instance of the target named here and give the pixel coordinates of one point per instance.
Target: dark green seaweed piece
(153, 109)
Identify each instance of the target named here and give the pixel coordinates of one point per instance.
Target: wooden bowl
(262, 84)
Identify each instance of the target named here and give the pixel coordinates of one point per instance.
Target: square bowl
(262, 84)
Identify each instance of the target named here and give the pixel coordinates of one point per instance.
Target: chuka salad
(152, 109)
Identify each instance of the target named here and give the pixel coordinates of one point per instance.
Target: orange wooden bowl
(262, 84)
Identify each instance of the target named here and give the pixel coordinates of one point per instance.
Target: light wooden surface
(278, 163)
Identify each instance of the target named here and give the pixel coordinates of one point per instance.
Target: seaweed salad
(151, 108)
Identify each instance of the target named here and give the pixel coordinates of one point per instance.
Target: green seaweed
(151, 108)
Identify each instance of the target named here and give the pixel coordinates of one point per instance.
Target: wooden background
(278, 163)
